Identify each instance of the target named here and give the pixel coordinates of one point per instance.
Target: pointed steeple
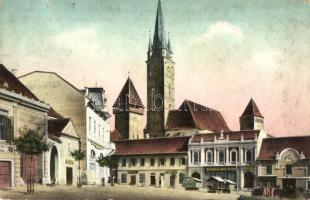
(128, 98)
(252, 110)
(159, 32)
(169, 44)
(150, 44)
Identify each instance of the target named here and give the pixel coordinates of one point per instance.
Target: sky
(226, 52)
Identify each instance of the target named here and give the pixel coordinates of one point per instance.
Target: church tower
(160, 78)
(251, 119)
(129, 110)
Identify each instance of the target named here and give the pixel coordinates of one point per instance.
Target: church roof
(9, 82)
(252, 110)
(128, 97)
(271, 146)
(167, 145)
(191, 115)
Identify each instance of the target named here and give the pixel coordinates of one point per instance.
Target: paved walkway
(108, 193)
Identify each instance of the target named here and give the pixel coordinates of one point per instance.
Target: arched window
(209, 156)
(92, 154)
(248, 156)
(233, 156)
(221, 156)
(101, 156)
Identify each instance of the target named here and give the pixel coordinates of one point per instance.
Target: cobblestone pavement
(111, 193)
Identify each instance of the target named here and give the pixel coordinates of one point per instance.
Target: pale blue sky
(227, 51)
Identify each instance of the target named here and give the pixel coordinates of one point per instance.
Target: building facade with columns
(229, 155)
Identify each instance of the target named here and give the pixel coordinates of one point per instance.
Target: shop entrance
(289, 184)
(69, 175)
(153, 180)
(5, 174)
(132, 180)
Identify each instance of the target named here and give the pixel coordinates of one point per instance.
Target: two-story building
(229, 155)
(19, 109)
(152, 162)
(88, 112)
(284, 162)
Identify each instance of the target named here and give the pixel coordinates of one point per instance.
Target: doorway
(5, 174)
(54, 165)
(248, 180)
(153, 180)
(69, 173)
(132, 180)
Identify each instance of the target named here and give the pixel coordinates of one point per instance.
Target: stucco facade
(90, 118)
(18, 112)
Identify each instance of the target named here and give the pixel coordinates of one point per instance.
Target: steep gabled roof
(191, 115)
(271, 146)
(54, 114)
(128, 97)
(252, 110)
(9, 82)
(153, 146)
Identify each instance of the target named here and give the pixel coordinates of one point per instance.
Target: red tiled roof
(56, 126)
(232, 135)
(152, 146)
(271, 146)
(128, 97)
(192, 115)
(9, 82)
(115, 135)
(252, 110)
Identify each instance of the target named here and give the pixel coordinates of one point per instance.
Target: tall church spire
(159, 40)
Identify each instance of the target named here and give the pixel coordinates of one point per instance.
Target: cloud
(269, 59)
(79, 39)
(223, 30)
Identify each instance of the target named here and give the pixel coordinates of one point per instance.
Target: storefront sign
(69, 162)
(220, 169)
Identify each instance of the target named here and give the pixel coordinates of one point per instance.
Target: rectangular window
(123, 178)
(141, 178)
(89, 123)
(95, 128)
(183, 161)
(124, 163)
(172, 161)
(99, 131)
(269, 169)
(142, 162)
(162, 161)
(92, 166)
(152, 161)
(288, 170)
(3, 127)
(133, 162)
(308, 169)
(308, 185)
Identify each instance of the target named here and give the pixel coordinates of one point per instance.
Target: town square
(162, 99)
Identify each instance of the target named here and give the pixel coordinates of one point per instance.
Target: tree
(32, 143)
(78, 155)
(110, 162)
